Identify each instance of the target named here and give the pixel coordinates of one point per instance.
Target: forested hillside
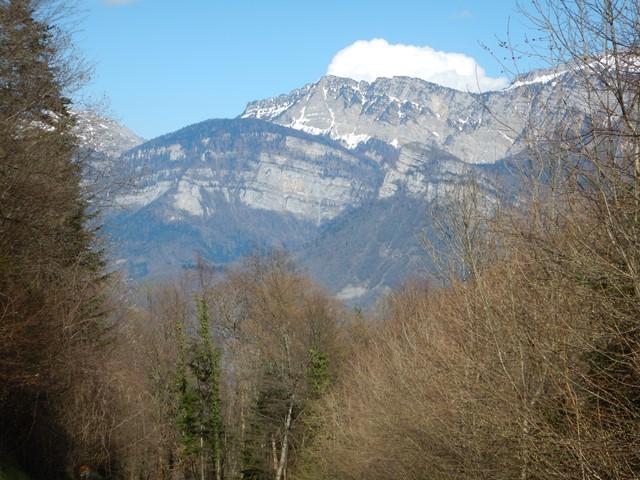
(517, 356)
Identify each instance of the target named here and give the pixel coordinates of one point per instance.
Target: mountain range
(340, 172)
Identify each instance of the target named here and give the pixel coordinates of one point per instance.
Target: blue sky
(166, 64)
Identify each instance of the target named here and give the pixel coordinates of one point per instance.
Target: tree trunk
(280, 464)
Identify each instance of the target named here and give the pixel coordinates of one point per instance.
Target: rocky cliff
(338, 169)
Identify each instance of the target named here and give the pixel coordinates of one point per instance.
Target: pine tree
(199, 415)
(205, 366)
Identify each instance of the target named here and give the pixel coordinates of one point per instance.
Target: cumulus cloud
(462, 14)
(118, 2)
(370, 59)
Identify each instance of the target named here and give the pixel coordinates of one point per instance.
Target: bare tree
(51, 273)
(525, 365)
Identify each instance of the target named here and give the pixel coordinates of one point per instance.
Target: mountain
(339, 171)
(399, 111)
(221, 188)
(103, 135)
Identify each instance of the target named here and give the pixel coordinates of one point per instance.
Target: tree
(525, 364)
(287, 334)
(51, 271)
(199, 388)
(591, 157)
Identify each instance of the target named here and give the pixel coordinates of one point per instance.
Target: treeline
(229, 369)
(518, 358)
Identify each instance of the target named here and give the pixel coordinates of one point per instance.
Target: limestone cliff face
(422, 121)
(400, 111)
(343, 141)
(248, 163)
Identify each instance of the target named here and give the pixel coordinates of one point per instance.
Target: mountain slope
(340, 171)
(221, 187)
(103, 135)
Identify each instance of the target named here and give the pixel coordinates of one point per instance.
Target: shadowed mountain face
(340, 172)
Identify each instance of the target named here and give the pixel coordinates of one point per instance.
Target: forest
(518, 356)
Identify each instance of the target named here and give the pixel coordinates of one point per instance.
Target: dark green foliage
(205, 366)
(186, 415)
(318, 372)
(269, 411)
(199, 415)
(9, 471)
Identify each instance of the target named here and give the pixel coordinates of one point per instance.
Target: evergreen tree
(199, 398)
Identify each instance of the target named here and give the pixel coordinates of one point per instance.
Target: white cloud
(370, 59)
(462, 14)
(118, 2)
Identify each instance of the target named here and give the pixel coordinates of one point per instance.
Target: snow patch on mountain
(537, 77)
(397, 111)
(103, 135)
(352, 140)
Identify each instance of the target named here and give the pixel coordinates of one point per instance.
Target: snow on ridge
(300, 123)
(352, 140)
(267, 112)
(540, 79)
(632, 64)
(273, 107)
(311, 130)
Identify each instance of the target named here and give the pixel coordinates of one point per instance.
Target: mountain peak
(398, 111)
(104, 135)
